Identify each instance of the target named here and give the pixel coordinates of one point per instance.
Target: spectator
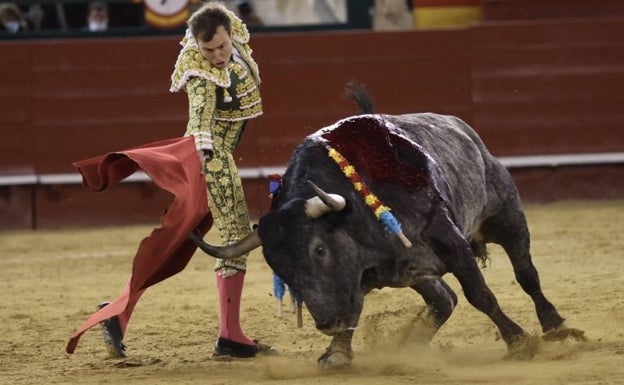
(392, 15)
(97, 17)
(247, 14)
(12, 18)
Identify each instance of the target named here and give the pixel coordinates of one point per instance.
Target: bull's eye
(317, 249)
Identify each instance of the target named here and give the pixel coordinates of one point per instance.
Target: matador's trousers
(226, 198)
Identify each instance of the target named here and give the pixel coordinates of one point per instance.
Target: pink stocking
(230, 291)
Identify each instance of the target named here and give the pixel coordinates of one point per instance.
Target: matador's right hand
(204, 157)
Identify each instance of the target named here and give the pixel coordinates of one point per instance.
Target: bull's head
(306, 244)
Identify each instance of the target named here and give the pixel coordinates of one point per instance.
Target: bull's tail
(358, 92)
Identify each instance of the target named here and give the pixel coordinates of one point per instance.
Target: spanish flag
(445, 13)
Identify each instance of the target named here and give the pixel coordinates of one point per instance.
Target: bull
(447, 197)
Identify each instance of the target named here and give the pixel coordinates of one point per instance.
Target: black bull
(451, 197)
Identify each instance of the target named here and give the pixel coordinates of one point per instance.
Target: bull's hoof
(334, 360)
(561, 333)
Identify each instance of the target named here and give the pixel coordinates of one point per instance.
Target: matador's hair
(204, 22)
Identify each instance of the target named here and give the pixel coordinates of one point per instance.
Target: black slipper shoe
(225, 347)
(113, 337)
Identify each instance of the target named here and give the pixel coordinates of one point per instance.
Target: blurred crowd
(72, 16)
(104, 15)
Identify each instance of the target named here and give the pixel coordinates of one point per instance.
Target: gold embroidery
(235, 115)
(226, 197)
(245, 100)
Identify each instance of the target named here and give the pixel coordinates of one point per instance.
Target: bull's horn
(323, 202)
(234, 250)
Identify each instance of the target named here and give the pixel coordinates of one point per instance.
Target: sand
(52, 280)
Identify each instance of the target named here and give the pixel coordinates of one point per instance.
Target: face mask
(97, 26)
(12, 26)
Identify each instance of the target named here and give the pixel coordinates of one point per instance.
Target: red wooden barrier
(528, 88)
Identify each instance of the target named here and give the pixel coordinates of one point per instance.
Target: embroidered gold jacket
(230, 94)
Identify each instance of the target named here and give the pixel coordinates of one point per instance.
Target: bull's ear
(280, 227)
(278, 231)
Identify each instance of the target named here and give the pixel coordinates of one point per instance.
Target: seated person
(12, 19)
(97, 17)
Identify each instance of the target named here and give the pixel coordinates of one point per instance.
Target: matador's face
(218, 50)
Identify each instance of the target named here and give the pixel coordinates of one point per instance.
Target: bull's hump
(378, 148)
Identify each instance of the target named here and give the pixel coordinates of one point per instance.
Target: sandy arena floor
(52, 280)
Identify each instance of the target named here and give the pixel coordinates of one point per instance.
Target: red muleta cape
(174, 166)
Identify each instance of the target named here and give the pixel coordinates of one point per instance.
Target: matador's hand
(204, 157)
(208, 154)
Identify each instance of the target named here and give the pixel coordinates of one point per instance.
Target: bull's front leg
(339, 353)
(440, 300)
